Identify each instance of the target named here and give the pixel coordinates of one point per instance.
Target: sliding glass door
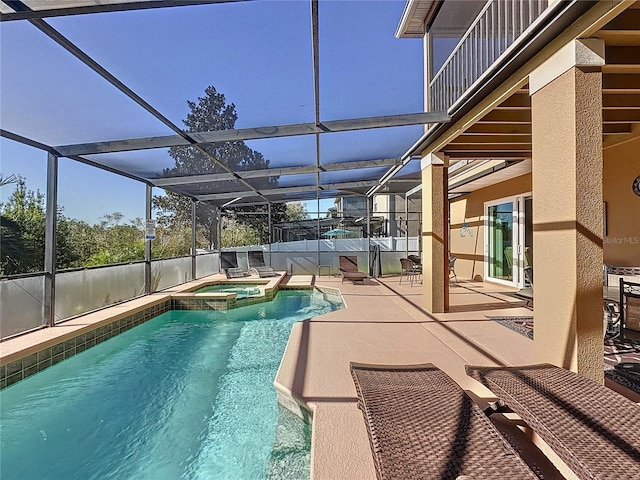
(508, 241)
(500, 241)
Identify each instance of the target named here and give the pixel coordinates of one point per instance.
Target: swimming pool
(241, 290)
(188, 394)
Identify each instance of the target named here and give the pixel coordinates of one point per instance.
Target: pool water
(188, 394)
(241, 290)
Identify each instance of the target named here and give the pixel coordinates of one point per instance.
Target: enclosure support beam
(406, 228)
(219, 229)
(147, 244)
(193, 240)
(50, 241)
(270, 235)
(367, 199)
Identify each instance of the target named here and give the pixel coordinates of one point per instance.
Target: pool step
(290, 456)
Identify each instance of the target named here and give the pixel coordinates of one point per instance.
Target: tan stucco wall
(566, 118)
(467, 213)
(435, 296)
(621, 166)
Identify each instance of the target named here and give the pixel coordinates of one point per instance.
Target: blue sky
(258, 54)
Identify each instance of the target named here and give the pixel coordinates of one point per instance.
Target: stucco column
(566, 115)
(434, 234)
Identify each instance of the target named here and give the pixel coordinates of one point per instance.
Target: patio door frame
(518, 239)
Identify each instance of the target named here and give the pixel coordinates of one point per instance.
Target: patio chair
(415, 259)
(409, 269)
(452, 264)
(348, 269)
(422, 425)
(629, 306)
(593, 429)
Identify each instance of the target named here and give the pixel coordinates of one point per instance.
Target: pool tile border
(34, 362)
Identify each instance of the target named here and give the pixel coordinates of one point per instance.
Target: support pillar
(194, 222)
(566, 111)
(435, 258)
(50, 242)
(270, 238)
(367, 202)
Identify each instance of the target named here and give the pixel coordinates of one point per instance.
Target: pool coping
(25, 355)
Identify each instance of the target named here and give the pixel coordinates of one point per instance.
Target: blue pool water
(188, 394)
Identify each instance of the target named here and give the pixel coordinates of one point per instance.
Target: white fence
(81, 291)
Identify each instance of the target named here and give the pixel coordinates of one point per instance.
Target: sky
(258, 54)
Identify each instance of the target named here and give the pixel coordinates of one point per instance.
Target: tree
(296, 211)
(117, 243)
(211, 112)
(76, 242)
(11, 244)
(23, 216)
(235, 234)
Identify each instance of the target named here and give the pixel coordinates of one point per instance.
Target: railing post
(50, 241)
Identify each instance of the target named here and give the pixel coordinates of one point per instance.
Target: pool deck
(384, 323)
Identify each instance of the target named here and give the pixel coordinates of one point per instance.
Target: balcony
(488, 35)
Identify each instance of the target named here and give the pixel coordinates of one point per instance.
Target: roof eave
(415, 16)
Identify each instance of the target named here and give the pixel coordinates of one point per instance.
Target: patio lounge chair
(228, 260)
(348, 269)
(256, 258)
(422, 425)
(593, 429)
(229, 264)
(235, 273)
(265, 272)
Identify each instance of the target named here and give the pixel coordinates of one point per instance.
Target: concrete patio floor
(383, 323)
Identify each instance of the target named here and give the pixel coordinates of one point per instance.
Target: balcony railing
(494, 30)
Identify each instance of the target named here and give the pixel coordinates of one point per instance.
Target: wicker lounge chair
(265, 272)
(256, 258)
(234, 273)
(228, 260)
(348, 269)
(422, 425)
(593, 429)
(229, 264)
